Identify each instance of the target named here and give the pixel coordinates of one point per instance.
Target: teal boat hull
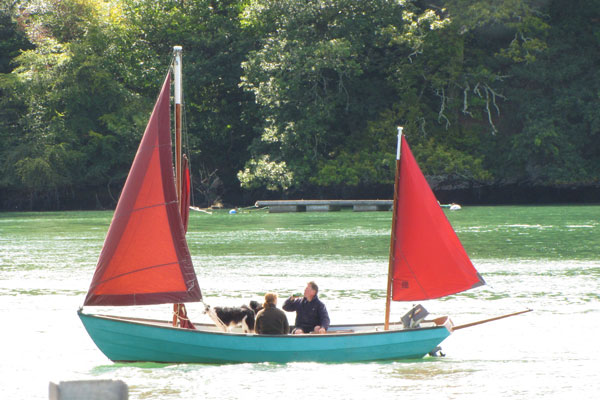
(132, 340)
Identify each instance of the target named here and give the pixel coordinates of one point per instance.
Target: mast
(177, 53)
(388, 295)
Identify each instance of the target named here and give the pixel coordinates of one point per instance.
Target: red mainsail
(145, 258)
(428, 259)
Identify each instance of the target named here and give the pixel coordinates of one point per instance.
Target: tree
(219, 114)
(78, 117)
(556, 136)
(320, 76)
(12, 40)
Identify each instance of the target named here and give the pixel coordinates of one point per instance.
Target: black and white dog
(229, 317)
(255, 306)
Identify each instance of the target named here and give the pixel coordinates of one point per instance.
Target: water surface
(545, 258)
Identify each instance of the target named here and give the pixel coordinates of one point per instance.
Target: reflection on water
(545, 258)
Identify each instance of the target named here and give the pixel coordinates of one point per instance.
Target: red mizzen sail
(145, 258)
(428, 259)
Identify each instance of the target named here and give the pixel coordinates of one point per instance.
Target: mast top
(177, 52)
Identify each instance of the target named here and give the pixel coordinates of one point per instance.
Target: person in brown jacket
(271, 320)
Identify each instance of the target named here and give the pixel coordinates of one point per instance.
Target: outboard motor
(413, 318)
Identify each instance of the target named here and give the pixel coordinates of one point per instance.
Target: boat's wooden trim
(334, 330)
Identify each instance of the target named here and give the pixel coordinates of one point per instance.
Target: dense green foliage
(288, 97)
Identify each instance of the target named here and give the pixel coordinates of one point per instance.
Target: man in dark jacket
(311, 314)
(271, 320)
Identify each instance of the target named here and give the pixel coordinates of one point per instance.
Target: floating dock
(281, 206)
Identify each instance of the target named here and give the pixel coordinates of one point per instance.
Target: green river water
(545, 258)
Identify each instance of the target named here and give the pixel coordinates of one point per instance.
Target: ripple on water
(544, 258)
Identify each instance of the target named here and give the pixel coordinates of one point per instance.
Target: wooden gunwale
(212, 329)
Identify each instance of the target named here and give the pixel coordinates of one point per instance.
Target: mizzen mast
(388, 296)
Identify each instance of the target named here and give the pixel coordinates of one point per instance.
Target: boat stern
(444, 321)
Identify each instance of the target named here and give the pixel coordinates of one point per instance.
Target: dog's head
(255, 306)
(206, 309)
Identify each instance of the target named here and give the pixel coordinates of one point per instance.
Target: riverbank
(513, 194)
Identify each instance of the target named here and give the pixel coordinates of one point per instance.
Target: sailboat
(145, 260)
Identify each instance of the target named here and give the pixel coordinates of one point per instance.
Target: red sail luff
(145, 258)
(428, 259)
(179, 311)
(185, 194)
